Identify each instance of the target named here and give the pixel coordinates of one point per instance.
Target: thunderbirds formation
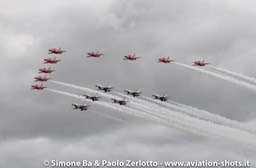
(108, 88)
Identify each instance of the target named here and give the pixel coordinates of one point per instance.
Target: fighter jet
(161, 98)
(133, 93)
(81, 107)
(105, 88)
(94, 54)
(165, 60)
(51, 60)
(130, 57)
(38, 87)
(45, 70)
(41, 78)
(93, 98)
(120, 102)
(200, 63)
(55, 51)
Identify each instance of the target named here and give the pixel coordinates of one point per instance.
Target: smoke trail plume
(218, 76)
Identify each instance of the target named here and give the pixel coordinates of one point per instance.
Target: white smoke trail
(109, 116)
(91, 91)
(200, 114)
(197, 126)
(66, 93)
(137, 113)
(234, 74)
(74, 86)
(82, 98)
(205, 115)
(218, 76)
(193, 112)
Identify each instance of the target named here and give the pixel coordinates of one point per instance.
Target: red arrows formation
(95, 54)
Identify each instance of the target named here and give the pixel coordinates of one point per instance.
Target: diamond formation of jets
(94, 54)
(135, 93)
(56, 51)
(161, 98)
(81, 107)
(93, 98)
(131, 57)
(165, 60)
(120, 102)
(200, 63)
(107, 88)
(51, 60)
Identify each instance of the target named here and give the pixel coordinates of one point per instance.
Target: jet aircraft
(56, 51)
(51, 60)
(38, 87)
(165, 60)
(105, 88)
(45, 70)
(200, 63)
(161, 98)
(41, 78)
(93, 98)
(130, 57)
(120, 102)
(81, 107)
(133, 93)
(94, 54)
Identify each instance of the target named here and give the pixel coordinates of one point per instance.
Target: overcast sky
(39, 125)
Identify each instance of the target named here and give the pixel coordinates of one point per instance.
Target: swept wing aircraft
(93, 98)
(105, 88)
(135, 93)
(120, 102)
(161, 98)
(81, 107)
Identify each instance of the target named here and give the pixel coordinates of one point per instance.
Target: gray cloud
(222, 32)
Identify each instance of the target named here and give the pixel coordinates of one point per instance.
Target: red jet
(56, 51)
(38, 87)
(130, 57)
(94, 54)
(46, 70)
(41, 78)
(200, 63)
(51, 60)
(165, 60)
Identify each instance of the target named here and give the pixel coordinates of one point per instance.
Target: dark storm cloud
(222, 32)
